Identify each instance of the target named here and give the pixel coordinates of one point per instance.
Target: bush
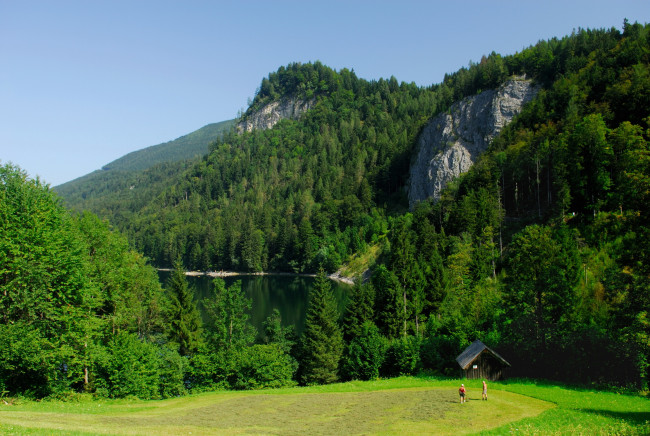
(402, 357)
(27, 362)
(172, 372)
(263, 366)
(438, 353)
(131, 367)
(209, 370)
(365, 354)
(254, 367)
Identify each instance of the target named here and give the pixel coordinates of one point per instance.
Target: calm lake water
(288, 294)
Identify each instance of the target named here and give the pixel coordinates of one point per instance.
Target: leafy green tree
(27, 360)
(209, 369)
(440, 347)
(172, 371)
(484, 256)
(132, 367)
(459, 297)
(430, 260)
(252, 248)
(418, 296)
(436, 276)
(263, 366)
(227, 308)
(44, 284)
(403, 263)
(459, 262)
(185, 326)
(631, 168)
(322, 342)
(402, 356)
(131, 297)
(626, 290)
(590, 157)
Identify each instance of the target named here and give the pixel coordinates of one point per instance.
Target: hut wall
(487, 367)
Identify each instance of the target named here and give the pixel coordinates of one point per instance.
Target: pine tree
(388, 302)
(185, 320)
(322, 343)
(275, 333)
(359, 310)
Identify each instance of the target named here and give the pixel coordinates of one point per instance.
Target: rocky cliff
(268, 115)
(450, 143)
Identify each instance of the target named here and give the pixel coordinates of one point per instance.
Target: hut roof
(473, 351)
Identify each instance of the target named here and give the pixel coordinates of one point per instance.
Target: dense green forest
(305, 193)
(540, 250)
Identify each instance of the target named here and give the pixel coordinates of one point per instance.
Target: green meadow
(406, 405)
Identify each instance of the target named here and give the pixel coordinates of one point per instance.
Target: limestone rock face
(268, 115)
(450, 143)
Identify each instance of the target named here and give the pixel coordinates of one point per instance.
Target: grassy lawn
(580, 411)
(404, 405)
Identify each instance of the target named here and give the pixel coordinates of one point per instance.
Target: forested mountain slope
(103, 191)
(188, 146)
(292, 197)
(308, 191)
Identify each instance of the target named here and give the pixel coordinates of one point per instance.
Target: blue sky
(84, 82)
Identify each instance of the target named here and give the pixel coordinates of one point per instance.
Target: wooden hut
(480, 361)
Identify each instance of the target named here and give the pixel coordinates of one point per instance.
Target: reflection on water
(288, 294)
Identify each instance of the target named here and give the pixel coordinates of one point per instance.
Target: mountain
(186, 147)
(293, 196)
(116, 180)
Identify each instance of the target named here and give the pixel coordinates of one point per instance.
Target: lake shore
(335, 276)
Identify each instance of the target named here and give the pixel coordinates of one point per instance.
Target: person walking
(484, 391)
(461, 392)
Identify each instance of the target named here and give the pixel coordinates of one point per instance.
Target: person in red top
(461, 391)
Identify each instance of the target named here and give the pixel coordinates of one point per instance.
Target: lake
(288, 294)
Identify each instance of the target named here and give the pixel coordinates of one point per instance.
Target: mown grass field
(406, 405)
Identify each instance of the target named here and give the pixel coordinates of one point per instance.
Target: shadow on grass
(634, 418)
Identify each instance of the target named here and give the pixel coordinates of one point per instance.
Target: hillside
(188, 146)
(113, 182)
